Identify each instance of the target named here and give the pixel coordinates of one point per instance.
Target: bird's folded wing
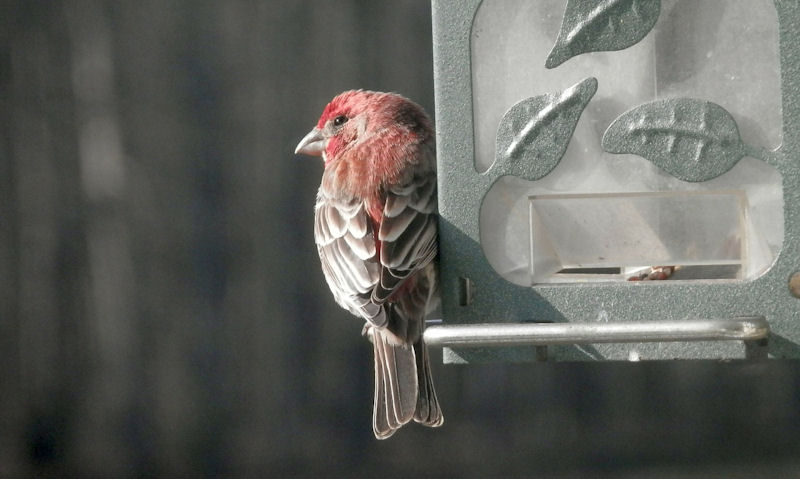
(347, 251)
(407, 234)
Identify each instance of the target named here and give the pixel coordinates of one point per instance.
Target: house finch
(375, 230)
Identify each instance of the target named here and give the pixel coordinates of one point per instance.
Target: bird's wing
(408, 233)
(346, 246)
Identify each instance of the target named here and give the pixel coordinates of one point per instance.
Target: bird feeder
(618, 179)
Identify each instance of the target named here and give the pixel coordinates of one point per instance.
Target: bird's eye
(339, 120)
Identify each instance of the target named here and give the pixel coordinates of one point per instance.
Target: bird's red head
(356, 116)
(369, 136)
(345, 105)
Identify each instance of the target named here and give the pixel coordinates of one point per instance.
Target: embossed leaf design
(607, 25)
(533, 134)
(693, 140)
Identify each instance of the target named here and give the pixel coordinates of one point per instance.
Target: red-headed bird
(375, 226)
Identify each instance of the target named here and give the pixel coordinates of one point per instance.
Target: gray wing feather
(347, 252)
(408, 234)
(393, 227)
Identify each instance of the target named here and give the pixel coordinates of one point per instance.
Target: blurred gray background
(162, 310)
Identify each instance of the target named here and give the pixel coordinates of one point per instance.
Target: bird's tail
(403, 384)
(428, 411)
(396, 384)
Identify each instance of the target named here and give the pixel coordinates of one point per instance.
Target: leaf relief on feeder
(692, 140)
(608, 25)
(534, 134)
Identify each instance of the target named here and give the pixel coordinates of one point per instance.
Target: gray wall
(162, 311)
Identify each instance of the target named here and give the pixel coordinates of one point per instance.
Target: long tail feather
(396, 387)
(428, 411)
(380, 417)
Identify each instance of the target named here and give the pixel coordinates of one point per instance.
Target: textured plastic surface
(719, 133)
(602, 26)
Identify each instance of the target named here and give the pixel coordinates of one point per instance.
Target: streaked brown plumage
(376, 230)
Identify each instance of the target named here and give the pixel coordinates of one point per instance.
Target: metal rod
(542, 334)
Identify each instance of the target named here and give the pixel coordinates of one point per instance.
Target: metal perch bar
(751, 328)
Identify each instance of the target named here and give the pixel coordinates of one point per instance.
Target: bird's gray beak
(312, 144)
